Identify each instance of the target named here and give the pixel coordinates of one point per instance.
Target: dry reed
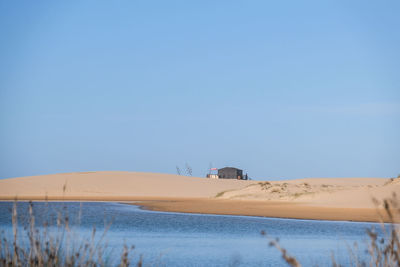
(383, 249)
(44, 246)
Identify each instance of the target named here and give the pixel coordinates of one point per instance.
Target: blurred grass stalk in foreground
(42, 246)
(383, 251)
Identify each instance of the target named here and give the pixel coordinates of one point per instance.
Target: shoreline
(267, 209)
(144, 208)
(336, 199)
(212, 206)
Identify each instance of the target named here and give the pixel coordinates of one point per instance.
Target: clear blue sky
(282, 89)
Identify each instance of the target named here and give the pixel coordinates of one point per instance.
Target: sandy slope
(316, 198)
(338, 192)
(97, 185)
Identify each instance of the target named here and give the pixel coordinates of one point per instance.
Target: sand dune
(314, 198)
(97, 185)
(338, 192)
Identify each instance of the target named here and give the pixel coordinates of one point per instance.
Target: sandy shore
(314, 198)
(262, 208)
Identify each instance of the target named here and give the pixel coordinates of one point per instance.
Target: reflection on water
(176, 239)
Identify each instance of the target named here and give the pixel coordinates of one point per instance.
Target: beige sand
(106, 184)
(327, 192)
(314, 198)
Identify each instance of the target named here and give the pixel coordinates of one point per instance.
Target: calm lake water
(176, 239)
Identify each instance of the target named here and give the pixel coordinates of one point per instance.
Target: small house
(230, 173)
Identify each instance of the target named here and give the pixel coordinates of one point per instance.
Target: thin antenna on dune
(189, 170)
(178, 170)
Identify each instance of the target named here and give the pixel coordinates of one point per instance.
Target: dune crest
(115, 184)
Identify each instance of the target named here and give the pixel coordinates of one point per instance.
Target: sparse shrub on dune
(389, 181)
(220, 194)
(56, 245)
(275, 190)
(306, 185)
(265, 185)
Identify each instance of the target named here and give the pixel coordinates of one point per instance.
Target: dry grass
(389, 181)
(46, 247)
(383, 250)
(265, 185)
(276, 190)
(55, 248)
(288, 258)
(220, 194)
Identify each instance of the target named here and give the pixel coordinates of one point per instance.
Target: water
(176, 239)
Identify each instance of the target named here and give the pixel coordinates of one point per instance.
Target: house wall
(212, 176)
(230, 173)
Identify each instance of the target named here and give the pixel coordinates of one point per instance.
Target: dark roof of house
(227, 168)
